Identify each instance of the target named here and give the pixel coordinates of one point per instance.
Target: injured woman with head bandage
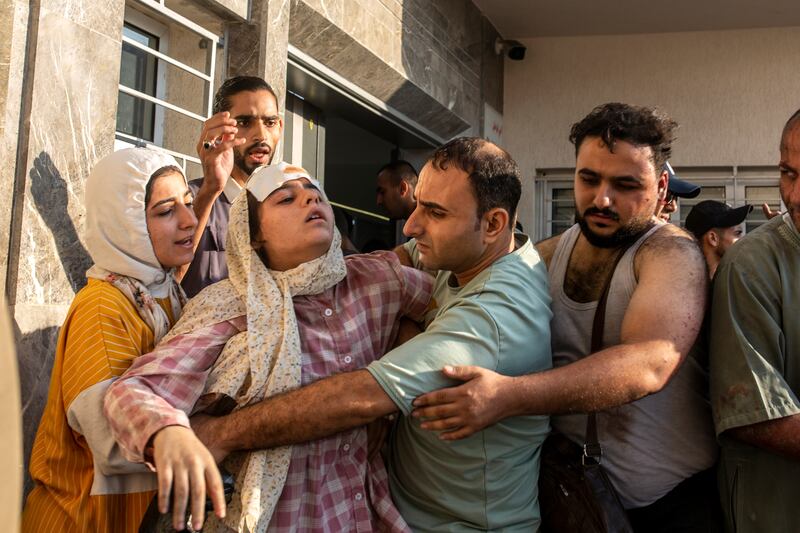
(292, 311)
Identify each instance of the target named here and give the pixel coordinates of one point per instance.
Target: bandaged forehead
(266, 180)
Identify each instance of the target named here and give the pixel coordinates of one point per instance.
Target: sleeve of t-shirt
(464, 334)
(747, 352)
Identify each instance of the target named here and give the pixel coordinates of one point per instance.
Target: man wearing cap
(241, 136)
(676, 188)
(755, 363)
(716, 226)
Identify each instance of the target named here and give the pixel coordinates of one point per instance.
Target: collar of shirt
(232, 189)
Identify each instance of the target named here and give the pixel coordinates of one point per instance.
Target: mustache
(258, 144)
(604, 212)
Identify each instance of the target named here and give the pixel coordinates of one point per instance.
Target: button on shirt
(328, 478)
(209, 264)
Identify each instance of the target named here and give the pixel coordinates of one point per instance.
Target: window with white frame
(167, 78)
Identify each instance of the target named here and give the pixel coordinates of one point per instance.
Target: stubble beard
(624, 235)
(240, 159)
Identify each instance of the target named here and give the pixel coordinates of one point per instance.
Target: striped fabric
(101, 336)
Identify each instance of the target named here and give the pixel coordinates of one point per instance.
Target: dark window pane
(138, 70)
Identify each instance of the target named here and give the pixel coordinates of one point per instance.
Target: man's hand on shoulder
(186, 470)
(458, 412)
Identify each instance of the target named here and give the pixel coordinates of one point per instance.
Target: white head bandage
(267, 179)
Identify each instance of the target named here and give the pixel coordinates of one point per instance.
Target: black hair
(256, 240)
(792, 123)
(640, 126)
(148, 189)
(236, 85)
(492, 172)
(400, 170)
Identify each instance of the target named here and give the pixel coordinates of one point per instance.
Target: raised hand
(215, 148)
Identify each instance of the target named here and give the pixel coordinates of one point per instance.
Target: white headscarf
(117, 237)
(266, 359)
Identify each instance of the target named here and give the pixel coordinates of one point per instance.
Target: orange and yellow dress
(101, 336)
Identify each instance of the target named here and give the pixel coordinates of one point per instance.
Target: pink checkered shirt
(330, 486)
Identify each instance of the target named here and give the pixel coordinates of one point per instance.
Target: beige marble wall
(259, 47)
(70, 80)
(426, 59)
(13, 35)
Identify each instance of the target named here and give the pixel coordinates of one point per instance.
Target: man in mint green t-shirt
(491, 308)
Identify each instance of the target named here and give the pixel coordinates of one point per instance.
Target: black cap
(710, 214)
(678, 187)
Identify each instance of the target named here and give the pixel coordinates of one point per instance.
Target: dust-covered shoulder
(674, 248)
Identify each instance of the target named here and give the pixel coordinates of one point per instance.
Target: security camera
(515, 50)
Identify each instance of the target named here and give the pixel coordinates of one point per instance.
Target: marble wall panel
(260, 46)
(36, 329)
(72, 84)
(240, 8)
(436, 75)
(13, 35)
(437, 46)
(95, 16)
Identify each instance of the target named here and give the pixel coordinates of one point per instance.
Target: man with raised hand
(241, 136)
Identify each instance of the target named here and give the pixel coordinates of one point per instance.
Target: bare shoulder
(547, 248)
(671, 246)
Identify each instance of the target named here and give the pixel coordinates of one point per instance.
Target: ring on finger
(211, 144)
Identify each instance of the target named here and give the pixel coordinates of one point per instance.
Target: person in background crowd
(716, 226)
(755, 363)
(139, 228)
(649, 392)
(676, 188)
(241, 136)
(396, 182)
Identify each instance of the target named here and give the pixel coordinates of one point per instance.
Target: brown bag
(575, 494)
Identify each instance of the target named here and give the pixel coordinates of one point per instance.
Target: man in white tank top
(649, 392)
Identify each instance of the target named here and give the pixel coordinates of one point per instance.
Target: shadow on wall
(49, 193)
(35, 352)
(36, 349)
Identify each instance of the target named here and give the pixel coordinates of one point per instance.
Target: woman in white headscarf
(292, 311)
(139, 227)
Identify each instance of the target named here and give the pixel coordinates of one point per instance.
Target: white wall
(730, 91)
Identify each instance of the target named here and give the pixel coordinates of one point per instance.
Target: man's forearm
(329, 406)
(203, 204)
(781, 436)
(609, 378)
